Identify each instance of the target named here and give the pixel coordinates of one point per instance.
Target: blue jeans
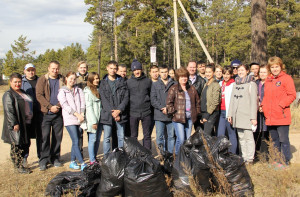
(94, 142)
(75, 134)
(280, 138)
(160, 137)
(183, 131)
(223, 125)
(107, 135)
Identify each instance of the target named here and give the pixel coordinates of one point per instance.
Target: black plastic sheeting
(134, 149)
(82, 184)
(112, 168)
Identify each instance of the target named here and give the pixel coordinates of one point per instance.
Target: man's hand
(115, 113)
(164, 110)
(54, 109)
(16, 127)
(117, 119)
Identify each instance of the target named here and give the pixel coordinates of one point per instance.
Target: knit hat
(236, 63)
(29, 66)
(136, 65)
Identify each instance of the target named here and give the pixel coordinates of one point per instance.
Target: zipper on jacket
(283, 113)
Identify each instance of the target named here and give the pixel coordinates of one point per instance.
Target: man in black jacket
(139, 87)
(114, 99)
(159, 93)
(197, 81)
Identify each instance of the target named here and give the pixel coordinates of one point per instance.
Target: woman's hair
(275, 60)
(211, 66)
(227, 69)
(90, 84)
(245, 66)
(82, 62)
(181, 72)
(171, 69)
(220, 67)
(68, 75)
(15, 75)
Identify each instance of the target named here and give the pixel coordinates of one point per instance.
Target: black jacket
(139, 96)
(117, 102)
(198, 84)
(14, 114)
(159, 93)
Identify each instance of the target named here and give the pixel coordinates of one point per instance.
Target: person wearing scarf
(242, 113)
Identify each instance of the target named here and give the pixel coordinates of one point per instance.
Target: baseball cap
(236, 63)
(30, 65)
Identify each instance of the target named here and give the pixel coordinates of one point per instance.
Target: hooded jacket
(117, 102)
(279, 93)
(159, 93)
(139, 96)
(92, 109)
(71, 101)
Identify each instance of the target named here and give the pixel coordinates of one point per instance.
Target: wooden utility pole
(195, 32)
(176, 34)
(259, 31)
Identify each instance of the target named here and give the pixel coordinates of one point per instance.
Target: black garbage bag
(168, 159)
(190, 162)
(112, 177)
(80, 183)
(134, 149)
(144, 178)
(236, 174)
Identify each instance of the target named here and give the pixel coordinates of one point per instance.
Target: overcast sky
(49, 24)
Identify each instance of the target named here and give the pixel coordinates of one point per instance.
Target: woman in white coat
(93, 109)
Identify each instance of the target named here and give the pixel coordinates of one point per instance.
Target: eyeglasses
(234, 68)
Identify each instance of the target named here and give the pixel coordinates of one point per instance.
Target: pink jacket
(71, 102)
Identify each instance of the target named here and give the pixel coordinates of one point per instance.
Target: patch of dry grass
(295, 110)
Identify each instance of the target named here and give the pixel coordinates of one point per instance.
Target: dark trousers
(18, 152)
(225, 125)
(52, 126)
(80, 140)
(36, 127)
(280, 138)
(260, 138)
(114, 136)
(209, 125)
(146, 124)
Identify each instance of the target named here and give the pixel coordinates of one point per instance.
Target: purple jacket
(71, 102)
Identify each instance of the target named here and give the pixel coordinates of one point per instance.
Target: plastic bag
(80, 183)
(134, 149)
(144, 177)
(112, 168)
(168, 159)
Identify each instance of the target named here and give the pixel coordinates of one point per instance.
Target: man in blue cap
(29, 81)
(234, 64)
(139, 103)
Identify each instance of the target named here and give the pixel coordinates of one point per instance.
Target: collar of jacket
(58, 76)
(169, 84)
(85, 75)
(118, 77)
(271, 76)
(25, 79)
(141, 77)
(187, 87)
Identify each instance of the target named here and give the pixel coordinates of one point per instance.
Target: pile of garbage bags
(133, 171)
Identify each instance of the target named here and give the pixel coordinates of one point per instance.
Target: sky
(49, 24)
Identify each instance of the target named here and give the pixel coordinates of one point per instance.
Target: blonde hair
(82, 62)
(275, 60)
(220, 67)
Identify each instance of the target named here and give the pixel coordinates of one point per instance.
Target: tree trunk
(100, 34)
(115, 36)
(259, 31)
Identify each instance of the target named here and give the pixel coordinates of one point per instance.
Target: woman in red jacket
(279, 93)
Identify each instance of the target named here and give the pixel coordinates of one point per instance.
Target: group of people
(246, 103)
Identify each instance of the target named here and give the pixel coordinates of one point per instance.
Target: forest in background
(126, 29)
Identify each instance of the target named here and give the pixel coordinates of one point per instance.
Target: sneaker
(57, 163)
(94, 162)
(43, 167)
(25, 163)
(83, 165)
(23, 170)
(73, 165)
